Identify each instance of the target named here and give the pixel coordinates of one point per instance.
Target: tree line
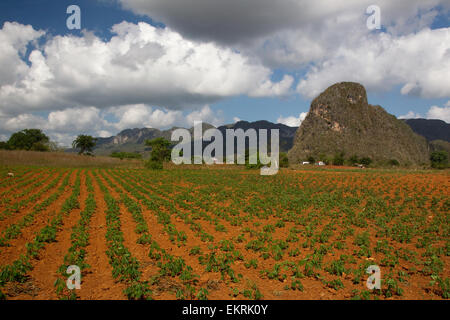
(36, 140)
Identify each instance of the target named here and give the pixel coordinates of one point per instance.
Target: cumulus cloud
(141, 64)
(328, 40)
(139, 116)
(411, 115)
(211, 50)
(439, 113)
(293, 121)
(419, 62)
(64, 125)
(434, 112)
(14, 39)
(205, 115)
(237, 21)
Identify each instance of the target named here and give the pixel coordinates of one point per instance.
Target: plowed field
(224, 234)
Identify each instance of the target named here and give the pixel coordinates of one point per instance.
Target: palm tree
(84, 143)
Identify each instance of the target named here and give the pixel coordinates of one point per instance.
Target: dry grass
(62, 159)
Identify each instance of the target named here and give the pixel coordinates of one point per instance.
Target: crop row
(170, 266)
(17, 271)
(16, 183)
(15, 207)
(14, 230)
(125, 267)
(76, 254)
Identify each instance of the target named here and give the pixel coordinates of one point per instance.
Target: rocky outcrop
(341, 120)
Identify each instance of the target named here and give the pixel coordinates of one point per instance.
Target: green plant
(443, 284)
(338, 159)
(393, 163)
(202, 294)
(296, 285)
(253, 263)
(439, 159)
(366, 161)
(195, 250)
(160, 153)
(392, 288)
(85, 143)
(284, 160)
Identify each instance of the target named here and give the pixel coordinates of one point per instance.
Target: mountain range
(133, 140)
(340, 120)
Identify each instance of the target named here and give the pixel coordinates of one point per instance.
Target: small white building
(320, 163)
(305, 162)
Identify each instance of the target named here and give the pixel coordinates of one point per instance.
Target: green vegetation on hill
(439, 159)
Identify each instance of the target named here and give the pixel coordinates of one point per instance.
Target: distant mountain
(129, 140)
(430, 129)
(341, 120)
(287, 133)
(133, 140)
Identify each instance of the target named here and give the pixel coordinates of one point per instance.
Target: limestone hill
(341, 120)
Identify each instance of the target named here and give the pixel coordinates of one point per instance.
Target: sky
(165, 63)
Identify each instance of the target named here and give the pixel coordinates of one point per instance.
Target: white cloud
(237, 21)
(211, 50)
(14, 39)
(236, 119)
(268, 88)
(327, 40)
(63, 126)
(141, 64)
(293, 121)
(439, 113)
(419, 62)
(205, 115)
(411, 115)
(139, 116)
(434, 112)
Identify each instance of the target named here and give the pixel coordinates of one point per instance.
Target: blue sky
(280, 68)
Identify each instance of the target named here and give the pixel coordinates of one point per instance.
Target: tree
(394, 163)
(439, 159)
(160, 152)
(4, 145)
(353, 159)
(311, 160)
(366, 161)
(284, 160)
(85, 143)
(338, 159)
(29, 139)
